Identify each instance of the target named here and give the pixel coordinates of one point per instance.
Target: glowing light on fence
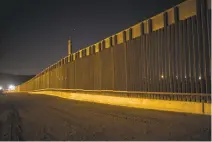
(162, 76)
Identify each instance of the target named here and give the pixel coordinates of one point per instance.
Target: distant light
(11, 87)
(1, 87)
(200, 77)
(185, 76)
(162, 76)
(177, 77)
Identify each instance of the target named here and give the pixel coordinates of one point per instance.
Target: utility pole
(69, 49)
(69, 46)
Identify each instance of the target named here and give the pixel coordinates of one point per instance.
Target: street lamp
(11, 87)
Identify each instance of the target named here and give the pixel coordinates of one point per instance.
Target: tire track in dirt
(16, 125)
(11, 125)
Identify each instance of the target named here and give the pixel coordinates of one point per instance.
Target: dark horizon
(14, 74)
(34, 33)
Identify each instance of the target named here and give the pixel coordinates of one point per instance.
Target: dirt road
(41, 117)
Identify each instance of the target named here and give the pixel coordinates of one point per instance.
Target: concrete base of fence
(163, 105)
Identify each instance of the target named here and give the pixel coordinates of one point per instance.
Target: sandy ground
(42, 117)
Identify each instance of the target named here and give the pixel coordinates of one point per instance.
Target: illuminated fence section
(168, 53)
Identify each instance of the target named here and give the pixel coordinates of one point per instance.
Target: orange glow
(163, 105)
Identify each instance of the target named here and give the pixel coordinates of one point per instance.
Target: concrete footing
(163, 105)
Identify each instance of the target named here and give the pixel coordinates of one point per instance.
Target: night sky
(34, 33)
